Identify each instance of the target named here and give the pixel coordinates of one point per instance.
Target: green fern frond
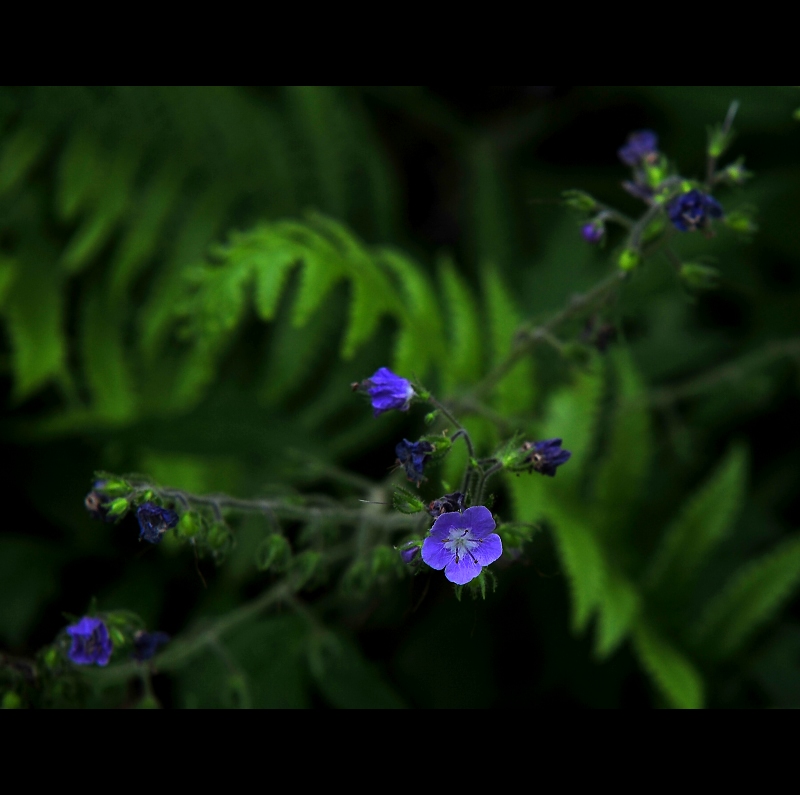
(701, 524)
(465, 339)
(673, 673)
(627, 454)
(515, 392)
(753, 596)
(619, 606)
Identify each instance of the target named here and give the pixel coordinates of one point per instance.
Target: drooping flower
(462, 544)
(388, 391)
(546, 456)
(447, 504)
(90, 642)
(412, 457)
(642, 145)
(410, 552)
(691, 210)
(593, 232)
(146, 644)
(154, 521)
(97, 503)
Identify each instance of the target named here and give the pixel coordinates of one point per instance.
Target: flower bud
(629, 259)
(188, 526)
(118, 508)
(579, 200)
(274, 552)
(699, 277)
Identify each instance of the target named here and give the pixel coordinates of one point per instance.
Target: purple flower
(412, 457)
(388, 391)
(642, 145)
(692, 210)
(592, 232)
(462, 543)
(146, 644)
(546, 456)
(447, 504)
(90, 642)
(154, 521)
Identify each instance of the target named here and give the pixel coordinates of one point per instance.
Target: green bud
(218, 535)
(656, 173)
(699, 277)
(406, 502)
(740, 221)
(579, 200)
(735, 173)
(274, 552)
(629, 259)
(430, 417)
(441, 445)
(116, 488)
(118, 508)
(11, 700)
(654, 229)
(188, 526)
(116, 635)
(718, 140)
(51, 657)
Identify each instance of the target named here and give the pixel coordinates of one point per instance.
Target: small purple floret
(592, 233)
(409, 553)
(692, 210)
(146, 644)
(389, 391)
(154, 521)
(546, 456)
(641, 146)
(90, 642)
(412, 457)
(462, 544)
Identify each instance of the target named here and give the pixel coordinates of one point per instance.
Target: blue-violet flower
(447, 504)
(545, 456)
(692, 210)
(389, 391)
(412, 457)
(409, 553)
(642, 145)
(90, 642)
(593, 233)
(146, 644)
(154, 521)
(462, 544)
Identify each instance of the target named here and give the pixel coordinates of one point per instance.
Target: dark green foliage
(191, 279)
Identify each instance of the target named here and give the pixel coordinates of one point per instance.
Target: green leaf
(34, 313)
(619, 605)
(105, 360)
(515, 391)
(464, 365)
(143, 235)
(111, 197)
(700, 525)
(753, 596)
(19, 155)
(627, 456)
(420, 339)
(673, 674)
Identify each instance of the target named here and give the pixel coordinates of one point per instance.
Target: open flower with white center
(462, 544)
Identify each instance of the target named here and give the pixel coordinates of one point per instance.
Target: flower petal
(447, 522)
(435, 554)
(489, 550)
(478, 518)
(462, 572)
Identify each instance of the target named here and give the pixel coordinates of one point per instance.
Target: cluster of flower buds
(462, 541)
